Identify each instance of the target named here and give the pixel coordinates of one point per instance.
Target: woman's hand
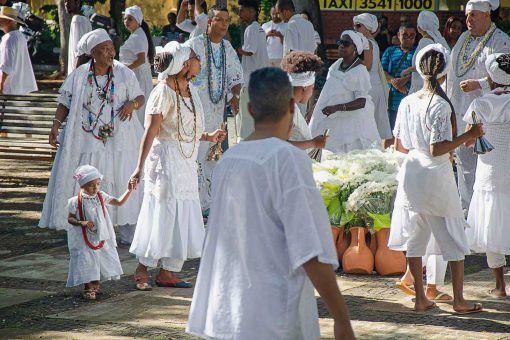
(126, 110)
(469, 85)
(53, 136)
(88, 224)
(135, 178)
(329, 110)
(217, 136)
(319, 142)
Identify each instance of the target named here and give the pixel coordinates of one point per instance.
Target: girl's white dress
(349, 130)
(137, 43)
(87, 264)
(426, 183)
(301, 130)
(488, 212)
(170, 226)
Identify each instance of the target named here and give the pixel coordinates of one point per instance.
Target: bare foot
(433, 293)
(423, 306)
(498, 292)
(467, 307)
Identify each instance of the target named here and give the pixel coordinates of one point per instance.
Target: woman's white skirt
(170, 225)
(144, 75)
(489, 219)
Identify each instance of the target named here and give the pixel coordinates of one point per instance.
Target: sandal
(172, 283)
(477, 307)
(142, 285)
(406, 288)
(89, 294)
(490, 294)
(439, 297)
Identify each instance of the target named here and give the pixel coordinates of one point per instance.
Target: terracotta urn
(371, 242)
(342, 244)
(337, 234)
(387, 261)
(358, 259)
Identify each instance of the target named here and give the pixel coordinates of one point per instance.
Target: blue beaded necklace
(211, 61)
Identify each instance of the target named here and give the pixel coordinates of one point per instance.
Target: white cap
(91, 40)
(482, 5)
(85, 174)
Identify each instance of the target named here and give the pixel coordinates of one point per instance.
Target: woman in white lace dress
(427, 200)
(170, 227)
(344, 106)
(137, 52)
(488, 212)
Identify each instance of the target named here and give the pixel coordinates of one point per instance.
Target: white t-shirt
(80, 25)
(15, 61)
(274, 44)
(254, 42)
(194, 30)
(267, 219)
(299, 36)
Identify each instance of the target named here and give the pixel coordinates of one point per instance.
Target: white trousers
(495, 260)
(436, 269)
(466, 166)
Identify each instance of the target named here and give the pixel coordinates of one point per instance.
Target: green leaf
(381, 221)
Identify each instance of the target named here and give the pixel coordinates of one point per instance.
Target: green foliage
(265, 9)
(156, 31)
(123, 32)
(49, 11)
(504, 26)
(92, 2)
(235, 35)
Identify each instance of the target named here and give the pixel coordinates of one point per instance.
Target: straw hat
(9, 13)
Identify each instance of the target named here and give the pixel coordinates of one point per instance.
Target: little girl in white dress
(90, 235)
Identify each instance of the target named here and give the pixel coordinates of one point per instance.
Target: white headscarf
(358, 39)
(434, 47)
(429, 22)
(367, 19)
(135, 12)
(180, 53)
(85, 174)
(498, 75)
(91, 40)
(87, 10)
(482, 5)
(302, 79)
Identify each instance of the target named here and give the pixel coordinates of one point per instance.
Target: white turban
(428, 22)
(91, 40)
(302, 79)
(87, 10)
(180, 53)
(367, 19)
(498, 75)
(434, 47)
(135, 12)
(358, 39)
(85, 174)
(482, 5)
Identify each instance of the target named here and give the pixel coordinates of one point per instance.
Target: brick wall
(334, 22)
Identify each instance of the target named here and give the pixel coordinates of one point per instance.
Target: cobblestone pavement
(34, 303)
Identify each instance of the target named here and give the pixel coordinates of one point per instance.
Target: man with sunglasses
(394, 60)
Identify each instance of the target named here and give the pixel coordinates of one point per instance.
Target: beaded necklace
(106, 95)
(210, 60)
(180, 123)
(341, 68)
(463, 67)
(84, 230)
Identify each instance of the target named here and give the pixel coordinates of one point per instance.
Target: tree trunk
(64, 21)
(116, 9)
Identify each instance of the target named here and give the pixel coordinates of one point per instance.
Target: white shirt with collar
(274, 44)
(254, 42)
(299, 35)
(194, 30)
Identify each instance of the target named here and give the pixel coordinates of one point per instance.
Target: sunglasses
(343, 43)
(357, 25)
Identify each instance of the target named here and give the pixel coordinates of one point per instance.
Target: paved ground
(34, 303)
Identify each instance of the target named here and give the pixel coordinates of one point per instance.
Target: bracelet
(56, 120)
(135, 103)
(345, 107)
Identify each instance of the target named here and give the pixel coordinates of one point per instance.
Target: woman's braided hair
(433, 63)
(504, 62)
(162, 61)
(300, 62)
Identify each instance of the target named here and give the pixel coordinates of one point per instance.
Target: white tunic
(135, 44)
(116, 159)
(194, 30)
(254, 42)
(299, 35)
(349, 130)
(264, 225)
(488, 212)
(416, 79)
(214, 113)
(274, 44)
(170, 224)
(15, 61)
(87, 264)
(80, 25)
(301, 130)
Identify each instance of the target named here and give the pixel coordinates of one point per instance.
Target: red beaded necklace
(81, 213)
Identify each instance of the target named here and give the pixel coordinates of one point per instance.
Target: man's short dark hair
(214, 9)
(405, 26)
(286, 5)
(270, 93)
(255, 4)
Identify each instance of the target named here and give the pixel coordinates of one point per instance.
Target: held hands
(126, 111)
(87, 224)
(217, 136)
(400, 84)
(134, 180)
(319, 142)
(53, 136)
(469, 85)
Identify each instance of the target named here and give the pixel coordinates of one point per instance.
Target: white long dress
(214, 113)
(80, 25)
(137, 43)
(15, 61)
(301, 130)
(349, 130)
(115, 159)
(251, 283)
(87, 264)
(426, 184)
(488, 212)
(170, 227)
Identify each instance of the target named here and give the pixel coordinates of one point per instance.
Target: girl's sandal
(142, 285)
(406, 288)
(89, 294)
(172, 283)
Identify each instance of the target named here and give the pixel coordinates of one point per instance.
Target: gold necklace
(466, 66)
(179, 122)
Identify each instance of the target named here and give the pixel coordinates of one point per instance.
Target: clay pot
(341, 242)
(387, 261)
(337, 234)
(358, 259)
(371, 242)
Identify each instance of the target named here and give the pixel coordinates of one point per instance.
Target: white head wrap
(367, 19)
(85, 174)
(482, 5)
(498, 75)
(358, 39)
(91, 40)
(87, 10)
(434, 47)
(302, 79)
(135, 12)
(428, 22)
(180, 53)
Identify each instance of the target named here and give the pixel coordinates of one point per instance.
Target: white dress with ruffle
(349, 130)
(170, 226)
(87, 264)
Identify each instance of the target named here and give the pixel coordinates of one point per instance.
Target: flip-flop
(172, 283)
(408, 289)
(440, 295)
(432, 306)
(477, 307)
(494, 296)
